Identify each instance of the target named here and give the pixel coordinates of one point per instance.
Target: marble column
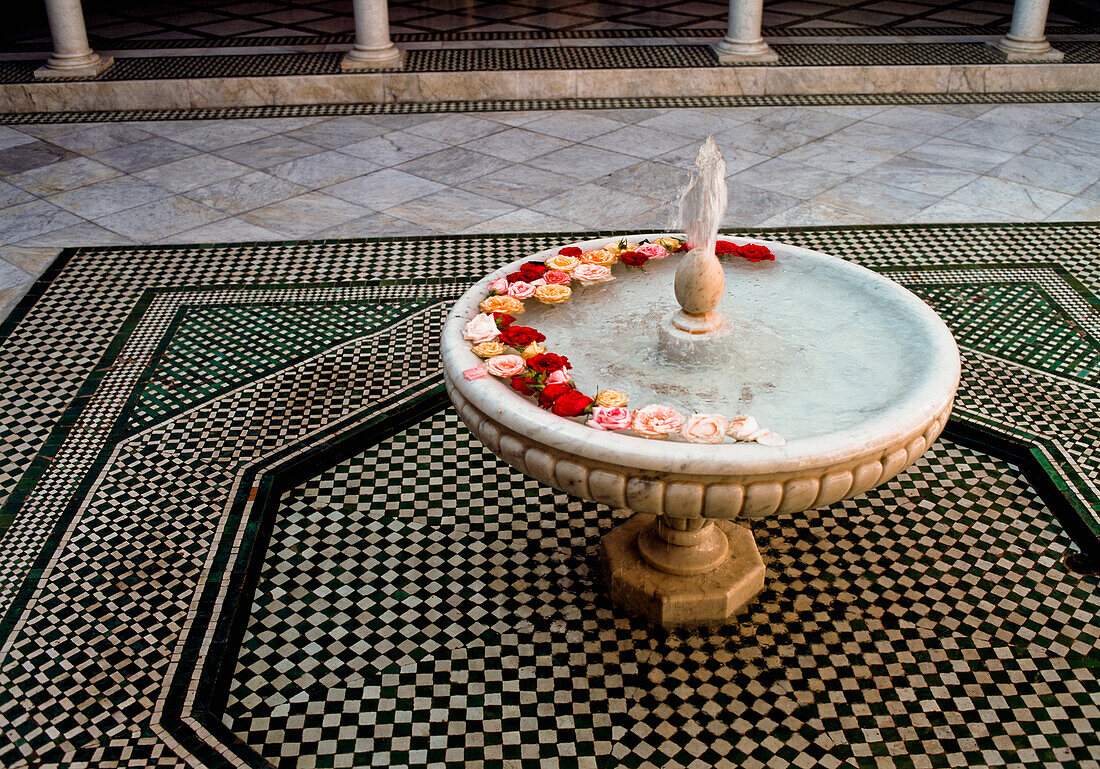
(72, 56)
(743, 41)
(373, 48)
(1026, 40)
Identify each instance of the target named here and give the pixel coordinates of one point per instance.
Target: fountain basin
(843, 437)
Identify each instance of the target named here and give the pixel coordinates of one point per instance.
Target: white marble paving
(297, 178)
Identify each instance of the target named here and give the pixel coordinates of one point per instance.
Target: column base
(357, 60)
(730, 52)
(1016, 50)
(673, 601)
(90, 67)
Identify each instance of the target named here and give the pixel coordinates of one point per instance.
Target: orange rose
(611, 399)
(489, 349)
(553, 294)
(600, 256)
(506, 304)
(563, 263)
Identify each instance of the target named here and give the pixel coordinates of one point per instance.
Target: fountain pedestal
(681, 572)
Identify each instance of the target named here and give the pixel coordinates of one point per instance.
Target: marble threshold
(417, 87)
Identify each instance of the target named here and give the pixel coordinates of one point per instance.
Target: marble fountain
(841, 378)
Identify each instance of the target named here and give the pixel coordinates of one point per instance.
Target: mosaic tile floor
(243, 527)
(127, 21)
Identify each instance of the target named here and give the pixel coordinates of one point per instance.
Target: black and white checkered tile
(421, 604)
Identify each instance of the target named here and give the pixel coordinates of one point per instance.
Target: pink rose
(588, 274)
(539, 282)
(505, 365)
(521, 289)
(477, 372)
(482, 328)
(616, 418)
(499, 286)
(705, 428)
(652, 250)
(561, 376)
(556, 277)
(656, 421)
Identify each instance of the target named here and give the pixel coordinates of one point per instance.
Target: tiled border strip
(517, 105)
(264, 65)
(244, 41)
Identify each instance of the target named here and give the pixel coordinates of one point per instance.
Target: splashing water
(704, 198)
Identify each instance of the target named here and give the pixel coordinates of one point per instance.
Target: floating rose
(499, 286)
(741, 427)
(656, 421)
(563, 263)
(522, 385)
(503, 304)
(503, 320)
(611, 398)
(480, 328)
(651, 250)
(506, 366)
(533, 349)
(561, 376)
(520, 336)
(548, 363)
(610, 418)
(521, 289)
(557, 278)
(553, 294)
(772, 439)
(705, 428)
(600, 256)
(570, 251)
(551, 393)
(489, 349)
(590, 274)
(755, 253)
(571, 404)
(633, 258)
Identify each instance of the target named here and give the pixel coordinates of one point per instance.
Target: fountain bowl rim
(498, 401)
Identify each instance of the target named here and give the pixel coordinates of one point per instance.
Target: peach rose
(508, 305)
(562, 263)
(611, 399)
(705, 428)
(600, 256)
(614, 418)
(499, 286)
(589, 274)
(533, 349)
(506, 365)
(521, 289)
(489, 349)
(772, 439)
(551, 294)
(561, 376)
(652, 250)
(477, 372)
(557, 277)
(481, 328)
(741, 427)
(656, 421)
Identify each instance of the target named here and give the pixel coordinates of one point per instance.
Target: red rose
(570, 251)
(521, 385)
(548, 362)
(571, 404)
(512, 277)
(533, 270)
(520, 336)
(503, 319)
(755, 253)
(633, 258)
(551, 393)
(725, 247)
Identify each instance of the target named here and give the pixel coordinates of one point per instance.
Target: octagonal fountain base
(674, 600)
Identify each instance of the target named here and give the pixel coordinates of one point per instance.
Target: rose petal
(477, 372)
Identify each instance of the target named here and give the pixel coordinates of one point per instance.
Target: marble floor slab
(353, 176)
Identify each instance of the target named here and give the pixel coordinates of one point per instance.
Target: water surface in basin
(813, 347)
